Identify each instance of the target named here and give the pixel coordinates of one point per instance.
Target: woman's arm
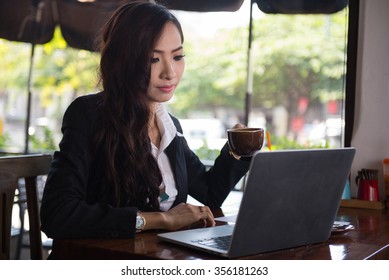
(213, 186)
(71, 205)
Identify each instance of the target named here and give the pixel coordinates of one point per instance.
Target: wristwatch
(140, 222)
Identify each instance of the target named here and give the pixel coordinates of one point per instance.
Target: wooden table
(369, 240)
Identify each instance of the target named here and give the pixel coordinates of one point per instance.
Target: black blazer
(73, 205)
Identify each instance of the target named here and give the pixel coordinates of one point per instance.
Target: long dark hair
(126, 45)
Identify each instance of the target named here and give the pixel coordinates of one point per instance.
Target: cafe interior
(364, 230)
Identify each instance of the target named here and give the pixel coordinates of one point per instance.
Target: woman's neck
(154, 133)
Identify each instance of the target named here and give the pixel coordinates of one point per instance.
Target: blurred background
(254, 64)
(298, 81)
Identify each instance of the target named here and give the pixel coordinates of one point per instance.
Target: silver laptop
(291, 199)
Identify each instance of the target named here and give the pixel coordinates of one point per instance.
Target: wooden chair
(8, 183)
(29, 167)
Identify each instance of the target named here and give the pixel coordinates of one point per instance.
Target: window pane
(299, 68)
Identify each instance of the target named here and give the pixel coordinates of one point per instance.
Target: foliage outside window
(299, 66)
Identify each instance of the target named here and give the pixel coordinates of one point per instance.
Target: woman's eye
(154, 60)
(179, 57)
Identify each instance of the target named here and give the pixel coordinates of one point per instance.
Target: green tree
(215, 73)
(14, 64)
(294, 56)
(61, 70)
(59, 75)
(298, 56)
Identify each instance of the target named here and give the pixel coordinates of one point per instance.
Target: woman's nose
(168, 71)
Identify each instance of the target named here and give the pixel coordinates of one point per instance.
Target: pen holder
(367, 189)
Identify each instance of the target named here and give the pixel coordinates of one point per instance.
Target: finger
(204, 215)
(207, 209)
(210, 212)
(207, 216)
(239, 125)
(210, 221)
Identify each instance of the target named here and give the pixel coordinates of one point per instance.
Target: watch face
(139, 222)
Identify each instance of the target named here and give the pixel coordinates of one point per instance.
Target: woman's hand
(239, 125)
(186, 214)
(180, 216)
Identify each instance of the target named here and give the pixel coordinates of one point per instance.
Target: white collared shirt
(168, 132)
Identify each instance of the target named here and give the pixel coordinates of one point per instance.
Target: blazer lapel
(177, 161)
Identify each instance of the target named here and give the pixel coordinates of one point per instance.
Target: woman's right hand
(178, 217)
(186, 214)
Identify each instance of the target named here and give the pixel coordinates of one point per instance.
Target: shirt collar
(165, 125)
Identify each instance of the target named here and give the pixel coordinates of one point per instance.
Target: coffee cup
(244, 142)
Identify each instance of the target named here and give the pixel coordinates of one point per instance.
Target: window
(298, 63)
(299, 67)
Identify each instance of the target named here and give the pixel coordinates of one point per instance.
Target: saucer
(338, 229)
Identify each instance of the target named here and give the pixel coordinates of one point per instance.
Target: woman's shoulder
(84, 108)
(85, 104)
(93, 99)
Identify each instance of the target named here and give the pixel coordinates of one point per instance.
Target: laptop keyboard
(219, 242)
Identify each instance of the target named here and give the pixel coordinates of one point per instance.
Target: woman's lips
(167, 88)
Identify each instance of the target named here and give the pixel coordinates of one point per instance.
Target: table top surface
(368, 239)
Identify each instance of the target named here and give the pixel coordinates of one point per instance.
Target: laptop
(290, 199)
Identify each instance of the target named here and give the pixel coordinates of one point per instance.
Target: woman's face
(167, 65)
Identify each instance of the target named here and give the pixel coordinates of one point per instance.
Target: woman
(123, 164)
